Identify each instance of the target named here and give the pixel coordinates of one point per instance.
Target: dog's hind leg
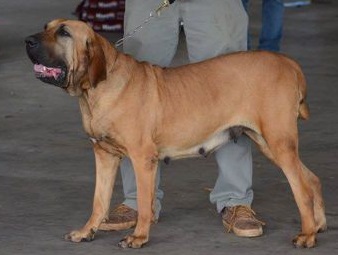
(145, 164)
(283, 149)
(303, 193)
(106, 169)
(319, 207)
(312, 179)
(281, 146)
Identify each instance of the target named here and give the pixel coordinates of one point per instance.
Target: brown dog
(135, 109)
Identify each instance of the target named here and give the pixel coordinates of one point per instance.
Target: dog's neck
(91, 98)
(109, 51)
(103, 98)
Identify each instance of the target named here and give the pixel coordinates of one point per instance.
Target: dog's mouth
(42, 71)
(46, 68)
(55, 75)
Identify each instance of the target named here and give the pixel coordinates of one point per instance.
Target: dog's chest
(110, 145)
(101, 133)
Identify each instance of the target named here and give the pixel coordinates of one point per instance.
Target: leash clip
(162, 6)
(157, 11)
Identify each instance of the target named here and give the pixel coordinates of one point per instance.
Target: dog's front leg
(145, 168)
(106, 169)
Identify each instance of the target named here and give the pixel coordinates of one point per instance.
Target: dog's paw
(132, 241)
(305, 240)
(77, 236)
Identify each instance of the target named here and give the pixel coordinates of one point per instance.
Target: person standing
(211, 28)
(272, 24)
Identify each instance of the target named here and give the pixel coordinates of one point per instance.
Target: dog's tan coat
(135, 109)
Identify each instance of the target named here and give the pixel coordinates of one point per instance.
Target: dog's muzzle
(47, 70)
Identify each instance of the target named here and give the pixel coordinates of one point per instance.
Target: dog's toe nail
(123, 244)
(67, 237)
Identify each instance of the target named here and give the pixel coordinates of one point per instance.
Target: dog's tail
(304, 111)
(303, 108)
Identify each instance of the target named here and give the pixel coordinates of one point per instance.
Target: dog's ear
(96, 61)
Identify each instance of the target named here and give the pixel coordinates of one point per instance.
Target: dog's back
(249, 84)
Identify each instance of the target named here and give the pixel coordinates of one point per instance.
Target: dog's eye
(63, 32)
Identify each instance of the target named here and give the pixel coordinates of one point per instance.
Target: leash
(153, 14)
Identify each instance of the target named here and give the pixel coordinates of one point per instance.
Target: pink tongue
(47, 71)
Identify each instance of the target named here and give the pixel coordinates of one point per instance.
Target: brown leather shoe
(241, 220)
(122, 217)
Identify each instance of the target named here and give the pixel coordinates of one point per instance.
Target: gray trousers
(211, 28)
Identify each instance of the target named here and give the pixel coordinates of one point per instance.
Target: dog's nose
(31, 42)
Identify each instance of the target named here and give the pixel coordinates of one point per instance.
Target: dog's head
(67, 54)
